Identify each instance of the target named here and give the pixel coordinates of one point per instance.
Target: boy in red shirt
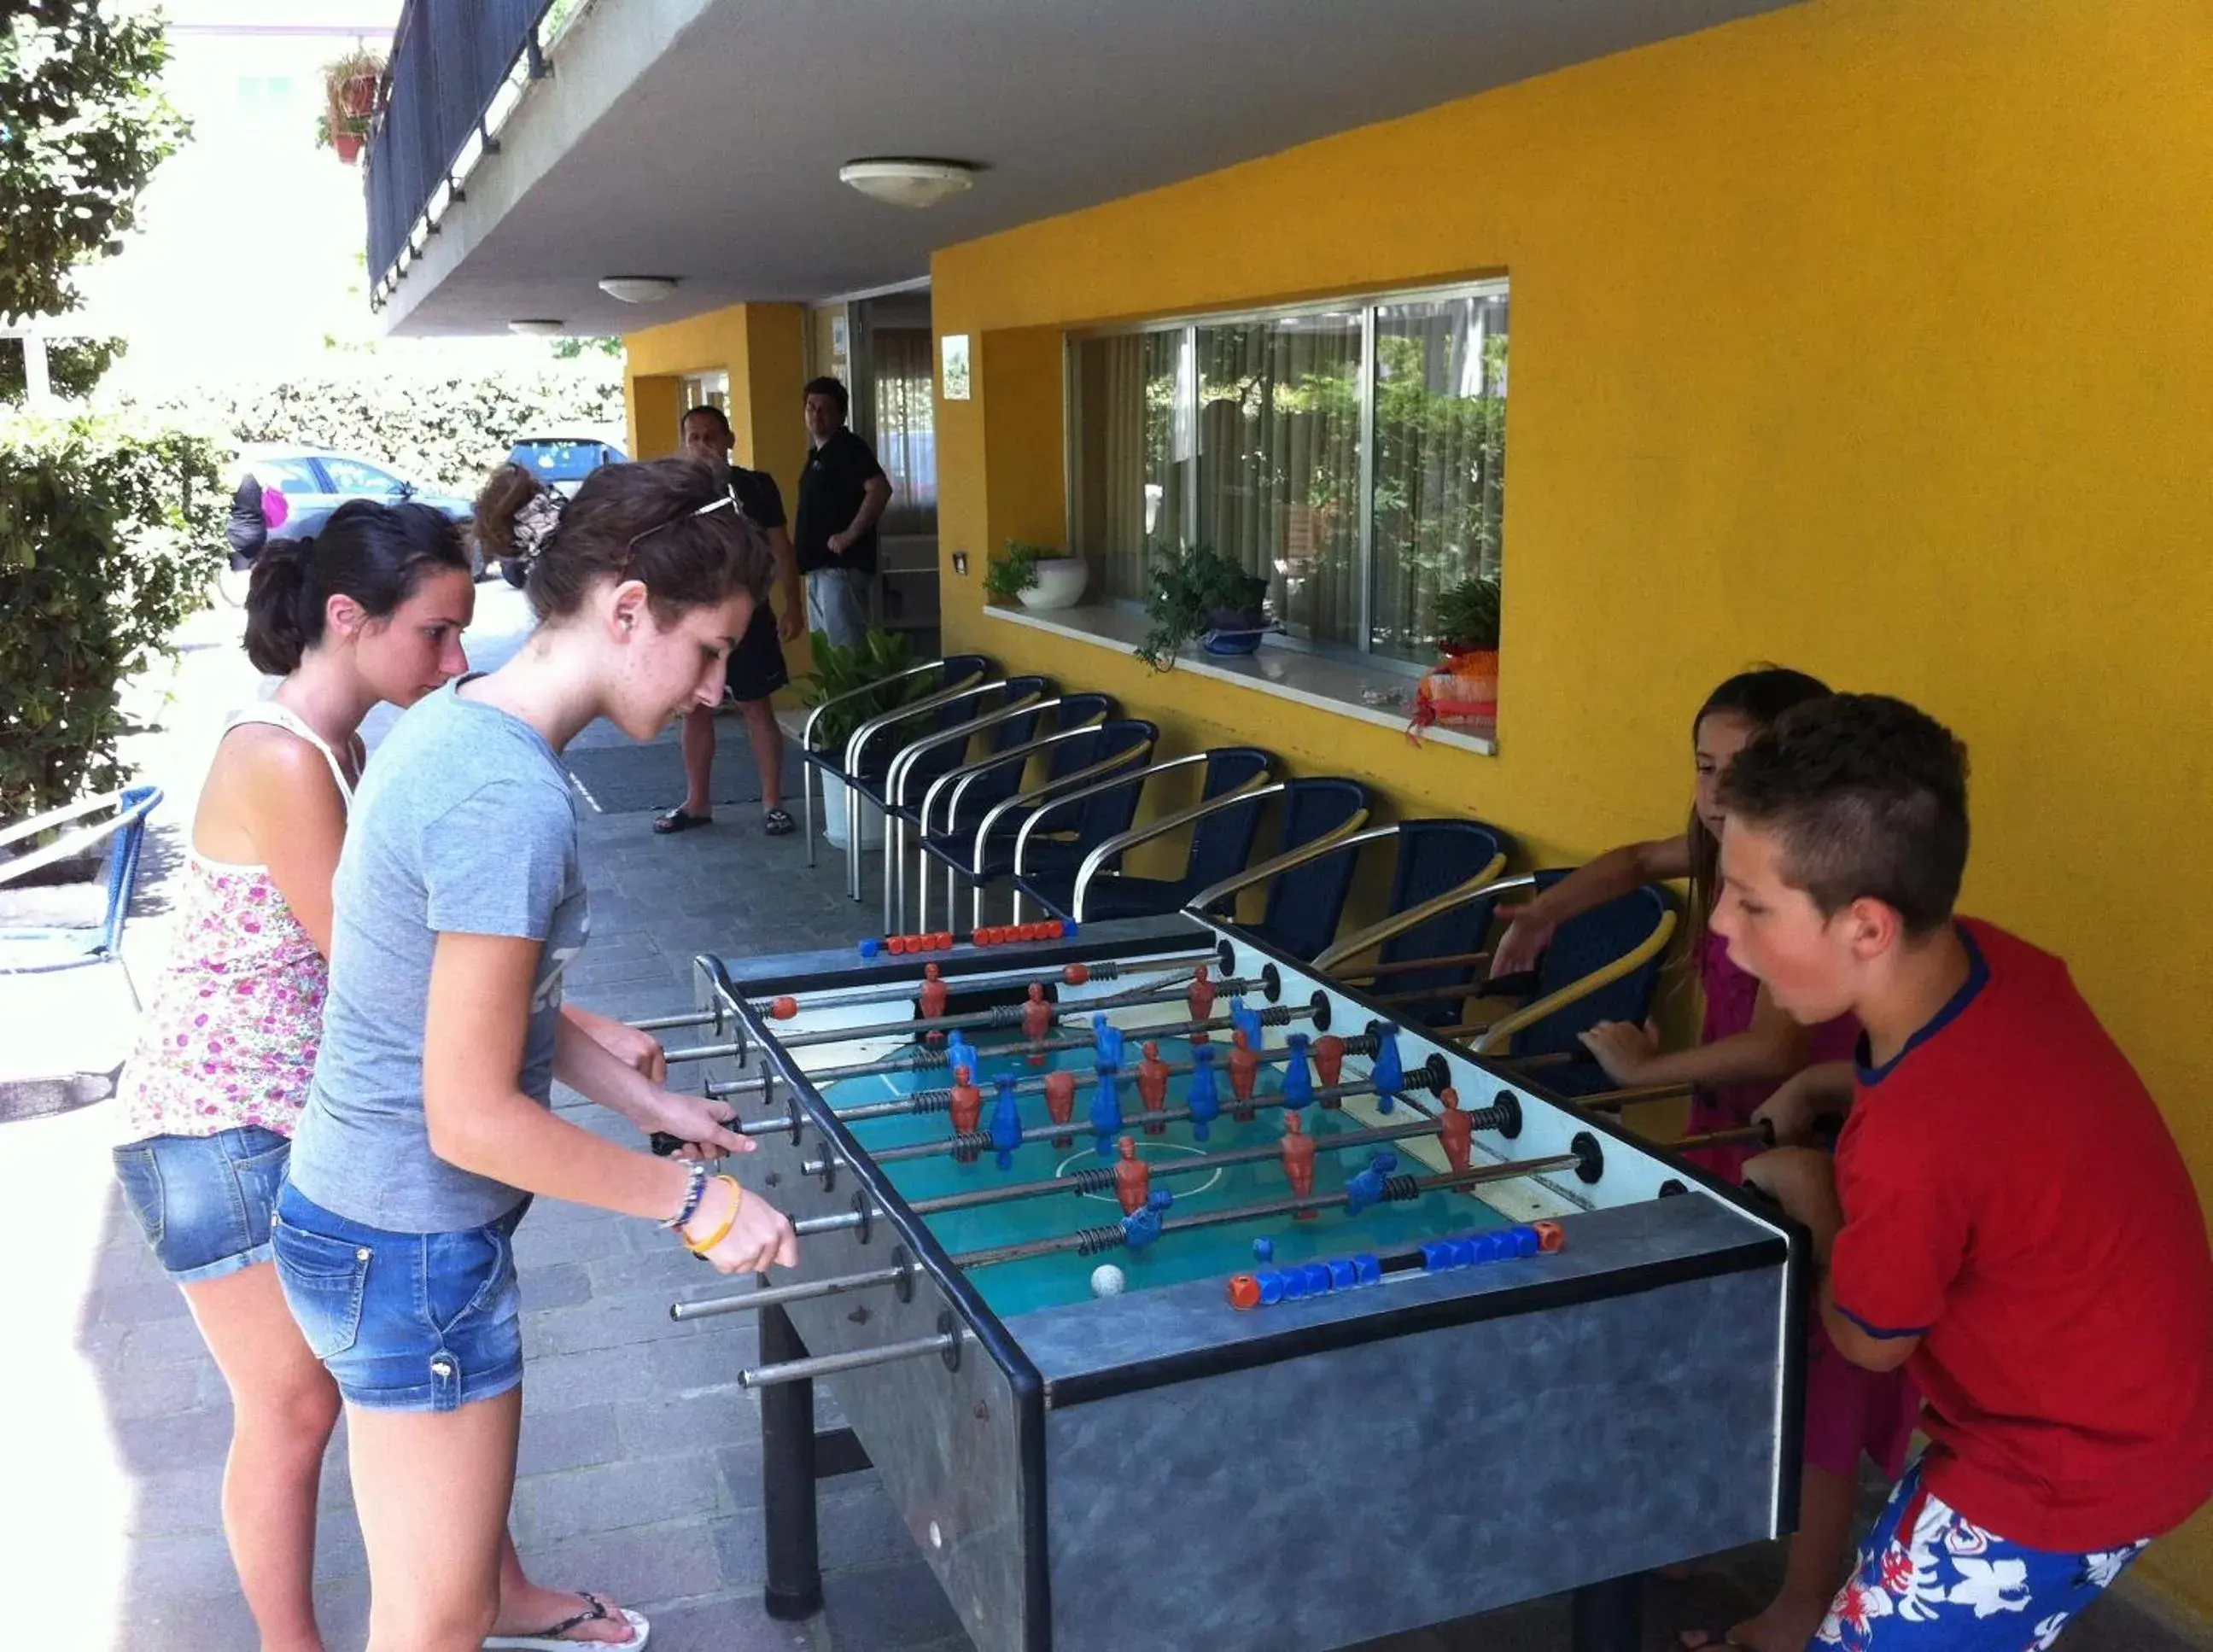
(2007, 1215)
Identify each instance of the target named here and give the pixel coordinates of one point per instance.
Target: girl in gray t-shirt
(459, 904)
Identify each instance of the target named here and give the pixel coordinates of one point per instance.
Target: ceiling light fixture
(535, 328)
(639, 290)
(905, 181)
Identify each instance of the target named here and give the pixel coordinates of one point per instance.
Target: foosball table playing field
(1182, 1300)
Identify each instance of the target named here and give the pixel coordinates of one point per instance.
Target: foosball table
(1184, 1300)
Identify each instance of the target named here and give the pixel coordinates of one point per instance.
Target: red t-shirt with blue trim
(2012, 1198)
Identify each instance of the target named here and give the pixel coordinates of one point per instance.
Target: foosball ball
(1183, 1301)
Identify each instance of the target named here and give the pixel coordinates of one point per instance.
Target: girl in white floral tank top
(228, 1039)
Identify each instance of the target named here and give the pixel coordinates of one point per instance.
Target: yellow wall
(763, 348)
(1869, 336)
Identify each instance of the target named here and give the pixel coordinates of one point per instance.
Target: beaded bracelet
(694, 1191)
(737, 1203)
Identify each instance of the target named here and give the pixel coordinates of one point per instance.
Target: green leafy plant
(1190, 585)
(1465, 617)
(74, 367)
(873, 663)
(111, 537)
(1007, 578)
(85, 127)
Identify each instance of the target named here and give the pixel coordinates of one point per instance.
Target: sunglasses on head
(721, 502)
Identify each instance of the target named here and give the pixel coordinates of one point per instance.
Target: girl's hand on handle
(1524, 942)
(1626, 1053)
(701, 1124)
(755, 1238)
(637, 1050)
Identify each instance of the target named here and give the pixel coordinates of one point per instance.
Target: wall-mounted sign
(956, 347)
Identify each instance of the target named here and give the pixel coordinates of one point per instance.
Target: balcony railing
(450, 60)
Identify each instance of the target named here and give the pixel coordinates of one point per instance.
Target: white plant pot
(833, 816)
(1059, 583)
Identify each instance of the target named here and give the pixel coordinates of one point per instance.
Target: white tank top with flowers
(230, 1036)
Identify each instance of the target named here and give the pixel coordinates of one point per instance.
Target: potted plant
(1199, 592)
(1037, 576)
(350, 89)
(840, 671)
(1463, 687)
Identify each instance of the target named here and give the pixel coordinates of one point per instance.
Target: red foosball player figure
(1244, 1072)
(1133, 1178)
(1037, 1021)
(1060, 1102)
(1298, 1151)
(934, 993)
(1201, 996)
(967, 1108)
(1457, 1131)
(1328, 1053)
(1153, 1086)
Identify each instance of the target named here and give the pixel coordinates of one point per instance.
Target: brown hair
(650, 521)
(1869, 798)
(1759, 697)
(374, 553)
(505, 492)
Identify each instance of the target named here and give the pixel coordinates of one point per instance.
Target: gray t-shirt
(462, 825)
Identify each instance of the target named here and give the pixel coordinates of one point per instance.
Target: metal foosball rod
(1007, 975)
(1357, 1044)
(980, 1141)
(777, 1295)
(1004, 1015)
(1398, 1189)
(1400, 966)
(944, 1344)
(930, 1060)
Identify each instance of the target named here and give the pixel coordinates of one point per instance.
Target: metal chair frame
(808, 765)
(903, 762)
(959, 780)
(1246, 792)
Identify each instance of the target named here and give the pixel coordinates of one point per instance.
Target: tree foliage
(111, 535)
(82, 126)
(74, 366)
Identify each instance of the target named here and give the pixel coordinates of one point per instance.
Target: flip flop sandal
(677, 820)
(556, 1638)
(1717, 1640)
(778, 823)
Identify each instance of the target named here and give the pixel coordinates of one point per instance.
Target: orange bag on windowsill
(1461, 691)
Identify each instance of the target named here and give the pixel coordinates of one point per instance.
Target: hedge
(444, 431)
(110, 536)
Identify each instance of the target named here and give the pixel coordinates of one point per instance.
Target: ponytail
(275, 635)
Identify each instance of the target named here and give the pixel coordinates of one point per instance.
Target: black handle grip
(664, 1144)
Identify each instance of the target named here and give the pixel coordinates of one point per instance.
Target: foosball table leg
(793, 1457)
(1607, 1617)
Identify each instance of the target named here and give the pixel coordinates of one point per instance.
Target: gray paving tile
(578, 1436)
(609, 1497)
(893, 1608)
(730, 1623)
(672, 1560)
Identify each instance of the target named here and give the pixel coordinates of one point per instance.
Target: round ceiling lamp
(535, 328)
(639, 290)
(907, 182)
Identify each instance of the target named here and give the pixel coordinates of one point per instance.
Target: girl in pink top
(1748, 1048)
(370, 609)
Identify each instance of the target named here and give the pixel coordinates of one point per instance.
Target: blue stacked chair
(1443, 893)
(1307, 879)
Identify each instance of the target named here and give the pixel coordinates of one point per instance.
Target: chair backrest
(1433, 856)
(1591, 941)
(1086, 711)
(125, 849)
(1097, 819)
(1305, 903)
(943, 759)
(1222, 845)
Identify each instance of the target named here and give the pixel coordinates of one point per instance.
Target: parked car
(562, 461)
(313, 482)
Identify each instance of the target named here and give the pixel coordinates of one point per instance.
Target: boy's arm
(1824, 1089)
(1802, 1180)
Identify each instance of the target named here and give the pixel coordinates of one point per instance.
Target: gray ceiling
(718, 163)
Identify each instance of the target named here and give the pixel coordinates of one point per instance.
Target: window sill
(1291, 673)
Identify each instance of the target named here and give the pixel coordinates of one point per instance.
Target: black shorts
(755, 669)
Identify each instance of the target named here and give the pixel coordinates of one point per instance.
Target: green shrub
(110, 536)
(446, 431)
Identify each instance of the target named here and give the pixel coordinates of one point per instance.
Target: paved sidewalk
(640, 1465)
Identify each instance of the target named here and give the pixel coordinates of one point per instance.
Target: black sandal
(778, 823)
(677, 820)
(555, 1638)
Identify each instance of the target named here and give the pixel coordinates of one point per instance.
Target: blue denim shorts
(204, 1201)
(403, 1322)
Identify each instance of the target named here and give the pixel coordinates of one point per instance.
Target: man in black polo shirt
(755, 668)
(842, 494)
